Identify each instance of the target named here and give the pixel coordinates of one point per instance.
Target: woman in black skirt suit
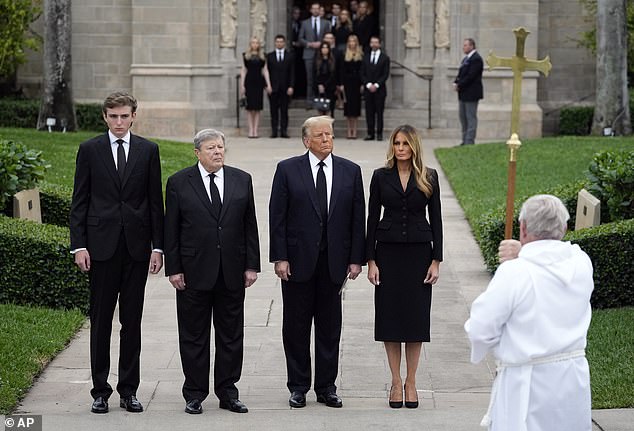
(350, 77)
(404, 254)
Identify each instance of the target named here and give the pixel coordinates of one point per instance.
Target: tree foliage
(15, 35)
(589, 38)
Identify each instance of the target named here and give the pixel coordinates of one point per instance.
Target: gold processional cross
(518, 63)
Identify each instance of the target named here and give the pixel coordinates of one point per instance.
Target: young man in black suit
(375, 71)
(212, 254)
(281, 65)
(468, 84)
(317, 239)
(116, 231)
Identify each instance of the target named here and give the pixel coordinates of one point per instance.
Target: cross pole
(518, 63)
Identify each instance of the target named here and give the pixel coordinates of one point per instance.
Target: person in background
(374, 74)
(365, 25)
(351, 84)
(335, 10)
(254, 78)
(311, 34)
(298, 53)
(342, 30)
(404, 251)
(326, 76)
(353, 7)
(534, 318)
(468, 84)
(280, 64)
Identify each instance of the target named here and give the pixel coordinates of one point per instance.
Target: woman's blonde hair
(249, 53)
(412, 138)
(348, 23)
(357, 54)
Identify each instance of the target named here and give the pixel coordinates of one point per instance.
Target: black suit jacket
(404, 215)
(281, 74)
(469, 79)
(196, 243)
(376, 73)
(103, 204)
(295, 220)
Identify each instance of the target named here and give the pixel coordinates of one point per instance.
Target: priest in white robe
(534, 318)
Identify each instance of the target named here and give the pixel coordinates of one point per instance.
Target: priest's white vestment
(534, 316)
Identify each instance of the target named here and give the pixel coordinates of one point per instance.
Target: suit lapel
(199, 188)
(105, 151)
(395, 181)
(229, 187)
(337, 175)
(133, 156)
(306, 174)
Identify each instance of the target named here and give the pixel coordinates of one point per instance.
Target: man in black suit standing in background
(317, 240)
(116, 231)
(468, 84)
(281, 65)
(375, 71)
(212, 254)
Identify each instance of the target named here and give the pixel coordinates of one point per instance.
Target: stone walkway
(453, 393)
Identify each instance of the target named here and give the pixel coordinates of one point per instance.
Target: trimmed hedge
(55, 202)
(610, 247)
(576, 120)
(24, 113)
(37, 267)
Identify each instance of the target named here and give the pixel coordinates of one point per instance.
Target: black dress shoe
(193, 407)
(379, 137)
(234, 405)
(131, 404)
(274, 135)
(285, 135)
(99, 405)
(369, 138)
(297, 400)
(331, 399)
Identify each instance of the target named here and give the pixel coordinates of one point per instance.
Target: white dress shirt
(219, 180)
(114, 146)
(314, 166)
(374, 59)
(280, 54)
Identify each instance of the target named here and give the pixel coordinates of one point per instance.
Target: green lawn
(30, 337)
(60, 149)
(478, 173)
(478, 177)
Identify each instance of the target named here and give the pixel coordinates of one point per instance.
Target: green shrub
(611, 180)
(37, 267)
(24, 113)
(55, 203)
(576, 120)
(489, 229)
(90, 117)
(611, 249)
(20, 169)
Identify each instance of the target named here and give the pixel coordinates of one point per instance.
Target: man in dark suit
(116, 231)
(365, 25)
(468, 84)
(281, 65)
(212, 255)
(375, 71)
(317, 239)
(310, 35)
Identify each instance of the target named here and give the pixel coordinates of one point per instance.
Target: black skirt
(402, 302)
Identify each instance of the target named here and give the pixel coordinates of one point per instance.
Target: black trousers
(318, 299)
(374, 107)
(279, 111)
(195, 310)
(122, 278)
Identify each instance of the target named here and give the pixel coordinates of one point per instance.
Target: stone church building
(180, 59)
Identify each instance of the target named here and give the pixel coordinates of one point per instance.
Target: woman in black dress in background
(342, 30)
(254, 78)
(404, 252)
(350, 78)
(325, 76)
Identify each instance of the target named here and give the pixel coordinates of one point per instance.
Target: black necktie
(120, 158)
(216, 203)
(315, 29)
(322, 198)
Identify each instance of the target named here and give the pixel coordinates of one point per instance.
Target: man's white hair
(545, 217)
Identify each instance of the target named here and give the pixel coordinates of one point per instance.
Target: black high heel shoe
(395, 404)
(410, 404)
